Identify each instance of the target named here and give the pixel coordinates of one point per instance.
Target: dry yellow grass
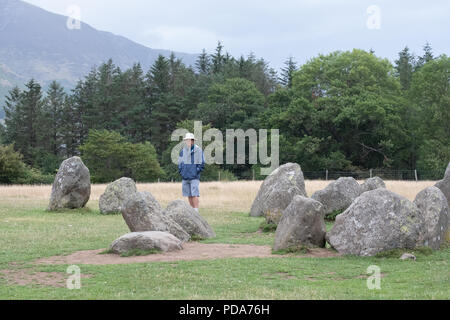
(215, 196)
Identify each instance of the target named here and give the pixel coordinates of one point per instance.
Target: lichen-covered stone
(189, 219)
(444, 186)
(162, 241)
(378, 220)
(302, 224)
(277, 192)
(142, 213)
(111, 201)
(72, 186)
(338, 195)
(434, 208)
(373, 184)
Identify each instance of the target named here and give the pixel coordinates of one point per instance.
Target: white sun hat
(189, 136)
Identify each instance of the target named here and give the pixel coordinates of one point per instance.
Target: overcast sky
(273, 30)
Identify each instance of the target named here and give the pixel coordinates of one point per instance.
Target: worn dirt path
(191, 251)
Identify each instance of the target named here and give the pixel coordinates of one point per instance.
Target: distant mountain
(35, 43)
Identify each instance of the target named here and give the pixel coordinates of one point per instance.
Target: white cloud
(273, 30)
(181, 38)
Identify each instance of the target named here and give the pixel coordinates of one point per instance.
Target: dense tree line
(341, 111)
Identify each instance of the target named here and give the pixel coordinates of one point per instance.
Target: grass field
(28, 232)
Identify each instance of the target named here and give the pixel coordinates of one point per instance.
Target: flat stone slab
(162, 241)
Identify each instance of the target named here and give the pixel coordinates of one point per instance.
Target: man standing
(190, 165)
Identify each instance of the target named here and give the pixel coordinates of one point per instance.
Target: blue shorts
(191, 188)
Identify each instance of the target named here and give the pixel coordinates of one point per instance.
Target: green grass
(107, 251)
(294, 249)
(397, 253)
(268, 227)
(196, 238)
(238, 228)
(29, 233)
(332, 216)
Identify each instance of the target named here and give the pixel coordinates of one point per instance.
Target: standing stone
(192, 222)
(162, 241)
(111, 201)
(444, 185)
(72, 186)
(277, 192)
(378, 220)
(302, 223)
(434, 208)
(373, 184)
(338, 195)
(142, 213)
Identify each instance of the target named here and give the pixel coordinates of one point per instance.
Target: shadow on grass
(79, 211)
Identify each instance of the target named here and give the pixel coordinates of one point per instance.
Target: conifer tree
(203, 63)
(12, 104)
(218, 59)
(50, 132)
(159, 77)
(426, 57)
(133, 115)
(404, 67)
(25, 120)
(287, 72)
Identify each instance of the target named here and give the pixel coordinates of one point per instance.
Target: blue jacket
(191, 163)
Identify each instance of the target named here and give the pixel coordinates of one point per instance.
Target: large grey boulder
(278, 190)
(338, 195)
(373, 184)
(377, 221)
(111, 201)
(142, 213)
(444, 185)
(434, 208)
(72, 185)
(149, 240)
(302, 223)
(189, 219)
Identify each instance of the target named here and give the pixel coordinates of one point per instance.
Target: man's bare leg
(196, 202)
